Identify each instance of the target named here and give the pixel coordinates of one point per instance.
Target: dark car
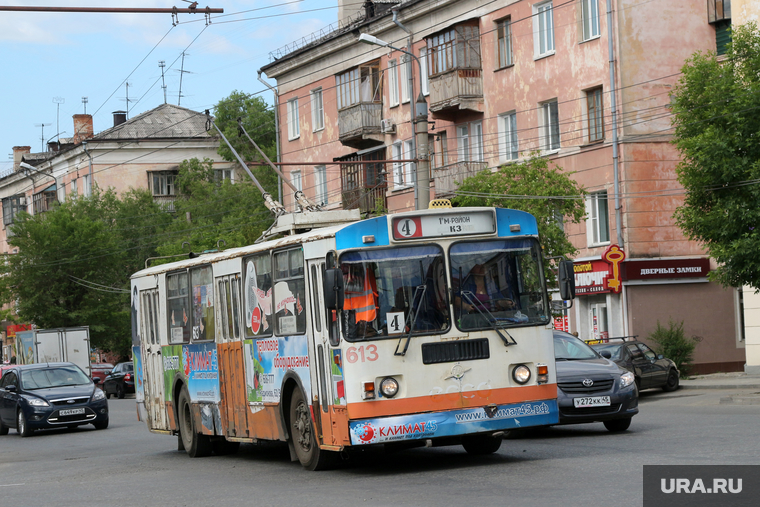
(99, 371)
(49, 395)
(591, 388)
(650, 369)
(120, 381)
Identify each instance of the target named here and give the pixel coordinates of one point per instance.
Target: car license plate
(71, 411)
(592, 401)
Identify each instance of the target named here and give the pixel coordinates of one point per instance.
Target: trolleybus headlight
(521, 374)
(389, 387)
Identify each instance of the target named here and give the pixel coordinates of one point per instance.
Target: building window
(456, 48)
(87, 190)
(504, 42)
(393, 83)
(361, 84)
(163, 183)
(590, 18)
(74, 186)
(595, 115)
(404, 78)
(543, 29)
(408, 166)
(398, 167)
(598, 221)
(11, 207)
(549, 126)
(295, 179)
(43, 201)
(463, 143)
(424, 79)
(476, 139)
(441, 152)
(317, 110)
(508, 136)
(221, 175)
(294, 130)
(320, 183)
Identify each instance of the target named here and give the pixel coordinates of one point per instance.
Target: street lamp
(422, 183)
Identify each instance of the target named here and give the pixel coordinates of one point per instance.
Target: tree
(74, 262)
(536, 186)
(716, 115)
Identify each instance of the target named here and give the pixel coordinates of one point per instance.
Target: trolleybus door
(152, 361)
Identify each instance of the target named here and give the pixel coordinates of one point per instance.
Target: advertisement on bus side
(267, 360)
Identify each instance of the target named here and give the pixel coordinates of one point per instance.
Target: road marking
(6, 485)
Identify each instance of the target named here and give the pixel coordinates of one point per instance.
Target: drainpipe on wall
(410, 74)
(276, 132)
(613, 102)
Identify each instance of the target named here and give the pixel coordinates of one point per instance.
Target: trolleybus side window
(203, 303)
(289, 292)
(224, 309)
(178, 311)
(257, 295)
(236, 306)
(315, 299)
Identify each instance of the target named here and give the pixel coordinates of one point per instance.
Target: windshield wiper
(492, 320)
(421, 289)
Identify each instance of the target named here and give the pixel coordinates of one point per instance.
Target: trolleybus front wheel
(303, 437)
(196, 445)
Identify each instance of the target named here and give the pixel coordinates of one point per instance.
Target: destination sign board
(441, 225)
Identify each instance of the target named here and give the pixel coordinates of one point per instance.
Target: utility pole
(127, 99)
(423, 153)
(42, 136)
(182, 72)
(58, 101)
(162, 64)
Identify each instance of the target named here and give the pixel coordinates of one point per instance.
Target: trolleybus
(427, 327)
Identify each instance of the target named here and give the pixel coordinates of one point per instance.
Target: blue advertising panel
(139, 379)
(201, 368)
(267, 360)
(455, 422)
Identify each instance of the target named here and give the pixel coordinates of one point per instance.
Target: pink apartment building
(503, 80)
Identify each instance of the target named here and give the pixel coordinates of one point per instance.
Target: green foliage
(257, 120)
(510, 186)
(716, 122)
(672, 344)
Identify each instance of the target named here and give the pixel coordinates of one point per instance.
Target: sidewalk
(735, 380)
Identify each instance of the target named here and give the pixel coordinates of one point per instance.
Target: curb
(720, 386)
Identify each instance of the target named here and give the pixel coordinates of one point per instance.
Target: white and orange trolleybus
(429, 327)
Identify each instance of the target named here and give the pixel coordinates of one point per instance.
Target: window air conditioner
(387, 126)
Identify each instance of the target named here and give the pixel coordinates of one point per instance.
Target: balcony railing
(456, 89)
(165, 201)
(447, 177)
(359, 125)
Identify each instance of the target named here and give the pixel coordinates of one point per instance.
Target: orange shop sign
(600, 276)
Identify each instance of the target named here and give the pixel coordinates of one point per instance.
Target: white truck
(70, 344)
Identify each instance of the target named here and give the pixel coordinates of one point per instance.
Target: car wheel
(480, 445)
(196, 445)
(101, 425)
(120, 391)
(672, 383)
(304, 438)
(22, 427)
(3, 428)
(618, 424)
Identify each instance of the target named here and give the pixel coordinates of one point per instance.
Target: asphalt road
(581, 465)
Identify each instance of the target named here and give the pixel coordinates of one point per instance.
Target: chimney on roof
(18, 154)
(82, 127)
(119, 117)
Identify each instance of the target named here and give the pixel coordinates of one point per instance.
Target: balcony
(165, 201)
(359, 125)
(447, 177)
(456, 89)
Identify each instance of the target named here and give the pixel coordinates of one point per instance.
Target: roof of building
(166, 121)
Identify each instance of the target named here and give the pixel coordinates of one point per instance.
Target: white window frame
(320, 185)
(317, 110)
(543, 30)
(294, 129)
(87, 186)
(463, 143)
(598, 115)
(404, 79)
(224, 174)
(296, 180)
(166, 182)
(547, 126)
(508, 138)
(504, 43)
(476, 142)
(598, 221)
(590, 20)
(408, 172)
(74, 186)
(397, 153)
(393, 97)
(424, 79)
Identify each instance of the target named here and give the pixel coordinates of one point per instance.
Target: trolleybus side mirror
(333, 289)
(566, 280)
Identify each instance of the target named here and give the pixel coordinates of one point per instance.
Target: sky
(50, 61)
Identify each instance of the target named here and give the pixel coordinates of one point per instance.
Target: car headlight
(521, 374)
(389, 387)
(36, 402)
(98, 395)
(627, 379)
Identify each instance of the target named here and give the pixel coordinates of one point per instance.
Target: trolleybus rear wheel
(303, 438)
(196, 445)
